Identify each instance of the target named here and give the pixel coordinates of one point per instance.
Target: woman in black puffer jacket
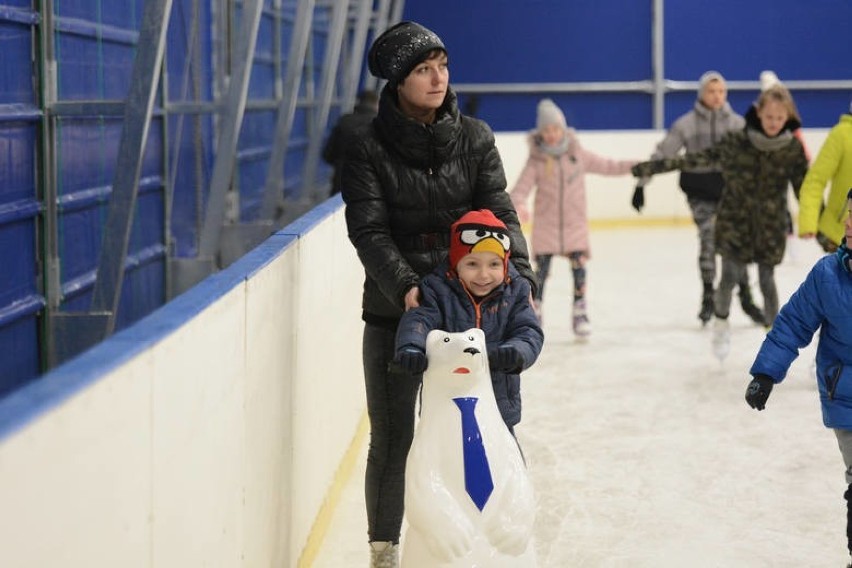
(416, 169)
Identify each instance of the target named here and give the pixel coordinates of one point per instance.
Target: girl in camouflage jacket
(756, 163)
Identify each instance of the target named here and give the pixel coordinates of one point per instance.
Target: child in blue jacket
(824, 302)
(477, 287)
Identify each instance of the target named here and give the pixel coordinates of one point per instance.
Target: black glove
(507, 359)
(758, 391)
(412, 359)
(638, 201)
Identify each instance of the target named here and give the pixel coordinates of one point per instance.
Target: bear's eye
(470, 338)
(446, 340)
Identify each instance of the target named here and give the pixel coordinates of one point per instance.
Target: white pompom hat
(767, 79)
(548, 113)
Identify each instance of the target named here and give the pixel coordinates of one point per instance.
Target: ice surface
(640, 445)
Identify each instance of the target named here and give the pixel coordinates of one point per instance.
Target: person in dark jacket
(341, 135)
(823, 302)
(757, 164)
(409, 175)
(477, 287)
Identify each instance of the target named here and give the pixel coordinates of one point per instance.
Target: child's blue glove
(758, 391)
(412, 359)
(507, 359)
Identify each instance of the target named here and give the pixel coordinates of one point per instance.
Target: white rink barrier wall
(208, 434)
(220, 429)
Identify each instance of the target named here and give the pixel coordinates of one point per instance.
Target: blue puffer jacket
(505, 316)
(823, 300)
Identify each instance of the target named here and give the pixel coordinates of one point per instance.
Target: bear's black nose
(472, 350)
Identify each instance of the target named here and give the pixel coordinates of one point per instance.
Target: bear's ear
(434, 337)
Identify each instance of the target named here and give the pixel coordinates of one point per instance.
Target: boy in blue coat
(477, 287)
(823, 301)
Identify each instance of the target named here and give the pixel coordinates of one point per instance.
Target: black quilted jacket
(404, 184)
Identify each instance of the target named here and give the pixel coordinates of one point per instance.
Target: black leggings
(391, 397)
(578, 271)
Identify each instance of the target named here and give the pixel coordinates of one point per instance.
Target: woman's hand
(412, 298)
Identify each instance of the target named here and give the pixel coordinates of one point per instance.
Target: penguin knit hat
(706, 78)
(548, 113)
(396, 51)
(478, 231)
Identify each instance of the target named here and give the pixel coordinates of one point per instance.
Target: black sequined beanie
(395, 53)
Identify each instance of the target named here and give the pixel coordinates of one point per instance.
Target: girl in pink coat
(556, 169)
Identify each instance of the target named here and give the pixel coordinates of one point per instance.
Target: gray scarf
(557, 149)
(766, 144)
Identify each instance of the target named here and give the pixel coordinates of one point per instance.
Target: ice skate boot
(384, 555)
(537, 310)
(721, 338)
(582, 327)
(706, 309)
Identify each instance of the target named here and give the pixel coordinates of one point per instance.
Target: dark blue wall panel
(21, 298)
(504, 41)
(20, 353)
(16, 85)
(798, 40)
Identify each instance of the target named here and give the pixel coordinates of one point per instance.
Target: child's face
(773, 115)
(481, 272)
(551, 134)
(714, 95)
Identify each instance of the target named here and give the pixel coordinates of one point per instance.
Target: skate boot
(384, 555)
(721, 338)
(537, 310)
(582, 327)
(751, 310)
(706, 309)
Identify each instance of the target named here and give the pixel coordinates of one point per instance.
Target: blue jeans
(391, 398)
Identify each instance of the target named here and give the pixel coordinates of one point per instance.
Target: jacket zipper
(432, 201)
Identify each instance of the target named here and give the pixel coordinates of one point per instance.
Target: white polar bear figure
(447, 527)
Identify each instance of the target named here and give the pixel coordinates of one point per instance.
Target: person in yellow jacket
(833, 163)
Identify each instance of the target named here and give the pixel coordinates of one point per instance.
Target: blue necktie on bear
(477, 474)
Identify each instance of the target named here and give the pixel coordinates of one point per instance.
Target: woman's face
(423, 91)
(551, 134)
(773, 116)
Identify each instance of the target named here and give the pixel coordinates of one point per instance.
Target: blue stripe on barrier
(312, 218)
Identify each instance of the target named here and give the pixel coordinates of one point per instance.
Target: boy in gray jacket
(709, 120)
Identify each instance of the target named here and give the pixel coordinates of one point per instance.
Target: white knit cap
(706, 78)
(548, 113)
(767, 79)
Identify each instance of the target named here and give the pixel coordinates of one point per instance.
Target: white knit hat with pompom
(548, 113)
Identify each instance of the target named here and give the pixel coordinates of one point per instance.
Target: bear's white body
(445, 527)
